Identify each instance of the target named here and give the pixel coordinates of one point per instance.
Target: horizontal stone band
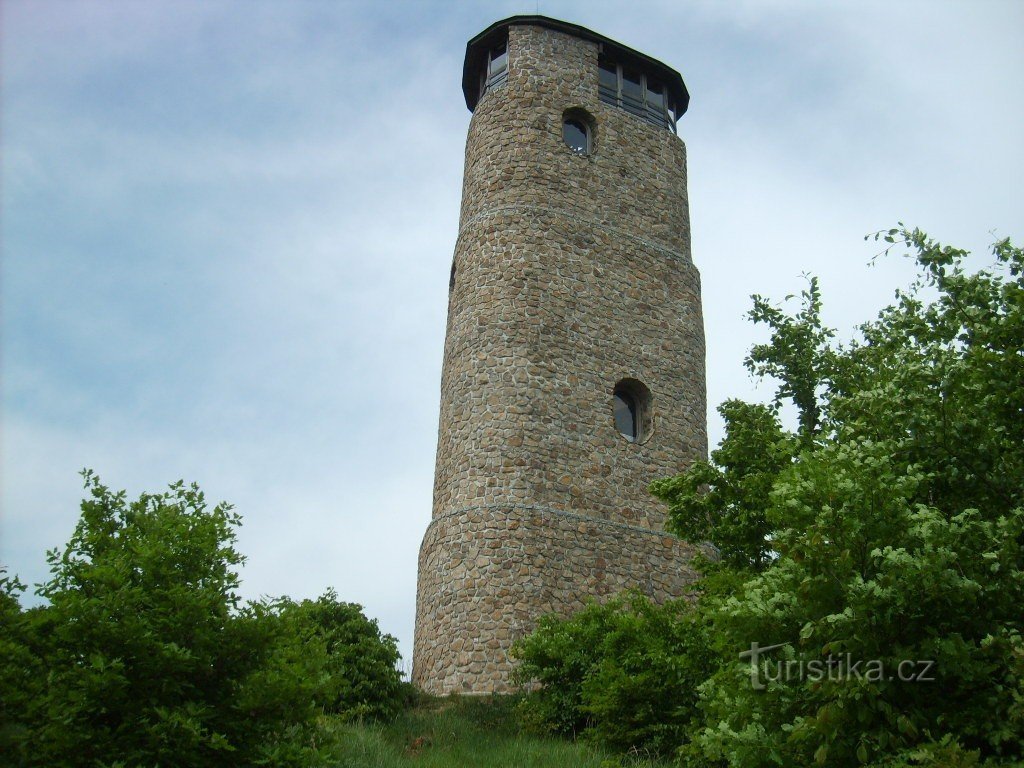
(543, 209)
(550, 511)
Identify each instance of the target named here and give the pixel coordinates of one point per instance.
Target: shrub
(358, 674)
(624, 674)
(149, 659)
(894, 530)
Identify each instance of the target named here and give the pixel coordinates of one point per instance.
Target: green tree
(359, 675)
(623, 674)
(879, 546)
(896, 527)
(724, 501)
(151, 659)
(21, 671)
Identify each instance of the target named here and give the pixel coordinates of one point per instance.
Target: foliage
(20, 671)
(625, 673)
(899, 530)
(879, 546)
(149, 658)
(724, 501)
(359, 676)
(797, 355)
(462, 732)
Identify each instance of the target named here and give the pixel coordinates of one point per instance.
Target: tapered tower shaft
(573, 368)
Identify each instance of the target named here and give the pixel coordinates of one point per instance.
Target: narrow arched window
(495, 72)
(626, 415)
(632, 411)
(576, 135)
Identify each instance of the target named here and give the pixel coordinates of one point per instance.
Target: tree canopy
(145, 654)
(876, 550)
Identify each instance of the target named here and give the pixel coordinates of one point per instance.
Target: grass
(464, 732)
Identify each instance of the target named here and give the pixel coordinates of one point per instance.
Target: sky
(226, 230)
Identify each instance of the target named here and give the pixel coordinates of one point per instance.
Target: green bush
(624, 674)
(21, 671)
(148, 657)
(887, 530)
(145, 654)
(358, 675)
(894, 531)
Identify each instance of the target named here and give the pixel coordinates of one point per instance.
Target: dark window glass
(631, 87)
(499, 60)
(625, 415)
(497, 68)
(655, 96)
(609, 77)
(574, 133)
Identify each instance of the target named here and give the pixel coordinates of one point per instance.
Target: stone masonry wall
(491, 571)
(570, 273)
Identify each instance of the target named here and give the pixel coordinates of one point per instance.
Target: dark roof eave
(476, 56)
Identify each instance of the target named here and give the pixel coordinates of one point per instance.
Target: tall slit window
(626, 420)
(631, 410)
(634, 91)
(609, 80)
(655, 96)
(496, 71)
(574, 134)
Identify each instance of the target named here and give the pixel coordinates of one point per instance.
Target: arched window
(576, 135)
(578, 128)
(626, 415)
(631, 410)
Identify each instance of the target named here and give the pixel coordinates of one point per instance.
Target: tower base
(487, 573)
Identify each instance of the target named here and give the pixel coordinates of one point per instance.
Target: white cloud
(228, 229)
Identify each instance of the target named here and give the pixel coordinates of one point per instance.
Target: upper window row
(635, 92)
(618, 84)
(496, 71)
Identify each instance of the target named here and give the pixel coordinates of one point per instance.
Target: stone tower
(574, 360)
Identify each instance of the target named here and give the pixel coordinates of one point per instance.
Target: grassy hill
(465, 733)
